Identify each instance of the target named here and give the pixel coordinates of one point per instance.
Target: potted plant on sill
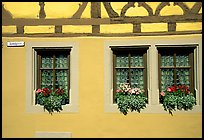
(177, 97)
(51, 101)
(130, 99)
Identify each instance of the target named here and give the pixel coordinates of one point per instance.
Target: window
(52, 65)
(176, 66)
(53, 69)
(129, 66)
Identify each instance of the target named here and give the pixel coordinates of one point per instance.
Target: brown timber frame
(189, 16)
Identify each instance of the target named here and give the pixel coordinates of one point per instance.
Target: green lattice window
(53, 69)
(176, 67)
(129, 66)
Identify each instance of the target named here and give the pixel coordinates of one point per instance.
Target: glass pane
(182, 60)
(167, 60)
(137, 78)
(47, 79)
(61, 61)
(121, 77)
(47, 61)
(136, 60)
(122, 60)
(167, 78)
(62, 80)
(183, 76)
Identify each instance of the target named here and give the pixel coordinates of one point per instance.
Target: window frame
(53, 53)
(31, 73)
(129, 50)
(180, 49)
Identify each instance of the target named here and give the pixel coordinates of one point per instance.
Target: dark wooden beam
(126, 7)
(160, 7)
(80, 10)
(95, 13)
(42, 10)
(171, 26)
(158, 19)
(136, 27)
(101, 34)
(20, 29)
(196, 7)
(58, 29)
(6, 15)
(109, 10)
(99, 21)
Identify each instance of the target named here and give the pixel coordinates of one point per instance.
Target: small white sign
(15, 44)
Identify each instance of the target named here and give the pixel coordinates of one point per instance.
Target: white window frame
(153, 105)
(31, 74)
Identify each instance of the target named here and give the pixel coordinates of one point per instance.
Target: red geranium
(175, 88)
(45, 91)
(59, 91)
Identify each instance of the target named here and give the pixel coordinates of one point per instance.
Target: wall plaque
(16, 44)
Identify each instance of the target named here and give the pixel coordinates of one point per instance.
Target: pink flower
(162, 93)
(169, 90)
(137, 92)
(38, 91)
(131, 91)
(118, 90)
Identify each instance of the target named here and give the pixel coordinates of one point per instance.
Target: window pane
(182, 60)
(183, 76)
(167, 60)
(137, 79)
(61, 61)
(47, 79)
(62, 80)
(167, 78)
(47, 61)
(136, 60)
(122, 60)
(121, 77)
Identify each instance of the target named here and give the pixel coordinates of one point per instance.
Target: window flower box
(51, 101)
(130, 99)
(177, 97)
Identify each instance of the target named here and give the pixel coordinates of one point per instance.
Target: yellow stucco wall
(90, 120)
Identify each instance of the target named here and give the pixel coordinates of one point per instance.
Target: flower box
(130, 99)
(51, 101)
(177, 97)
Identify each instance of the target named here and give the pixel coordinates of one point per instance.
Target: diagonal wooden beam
(5, 13)
(183, 6)
(196, 7)
(110, 11)
(80, 10)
